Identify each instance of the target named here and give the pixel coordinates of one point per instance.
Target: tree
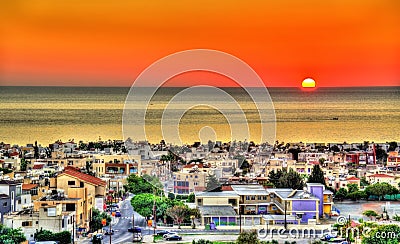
(97, 217)
(383, 234)
(356, 195)
(142, 203)
(379, 190)
(370, 213)
(145, 184)
(274, 177)
(290, 179)
(341, 194)
(177, 213)
(317, 175)
(213, 184)
(8, 235)
(392, 146)
(63, 237)
(352, 188)
(24, 164)
(191, 197)
(248, 237)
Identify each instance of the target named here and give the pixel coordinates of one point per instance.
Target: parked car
(137, 237)
(135, 229)
(173, 237)
(98, 235)
(162, 232)
(327, 237)
(169, 233)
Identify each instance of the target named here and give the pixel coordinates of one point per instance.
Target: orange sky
(108, 43)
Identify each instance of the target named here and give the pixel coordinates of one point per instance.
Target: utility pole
(154, 214)
(73, 230)
(133, 221)
(110, 230)
(285, 214)
(240, 221)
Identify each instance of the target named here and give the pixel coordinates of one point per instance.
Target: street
(121, 224)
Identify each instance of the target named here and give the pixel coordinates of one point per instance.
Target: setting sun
(308, 83)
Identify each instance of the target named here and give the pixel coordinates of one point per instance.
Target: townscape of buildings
(56, 187)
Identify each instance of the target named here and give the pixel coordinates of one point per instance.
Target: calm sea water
(46, 114)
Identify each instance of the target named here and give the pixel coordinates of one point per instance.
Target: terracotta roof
(200, 165)
(227, 188)
(82, 176)
(38, 166)
(353, 178)
(381, 176)
(27, 187)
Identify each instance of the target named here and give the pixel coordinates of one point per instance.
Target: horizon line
(299, 87)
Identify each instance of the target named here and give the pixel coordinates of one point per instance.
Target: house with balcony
(90, 191)
(300, 206)
(220, 208)
(10, 196)
(67, 204)
(51, 218)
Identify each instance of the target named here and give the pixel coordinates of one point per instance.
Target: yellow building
(82, 187)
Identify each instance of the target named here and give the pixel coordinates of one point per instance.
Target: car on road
(137, 237)
(109, 232)
(162, 232)
(98, 235)
(173, 237)
(327, 237)
(169, 233)
(135, 229)
(118, 214)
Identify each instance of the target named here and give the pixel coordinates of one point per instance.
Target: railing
(280, 205)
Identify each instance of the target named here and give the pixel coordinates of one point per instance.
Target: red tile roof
(381, 176)
(200, 165)
(226, 188)
(353, 178)
(38, 166)
(73, 172)
(26, 187)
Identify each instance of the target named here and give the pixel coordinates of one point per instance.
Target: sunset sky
(108, 43)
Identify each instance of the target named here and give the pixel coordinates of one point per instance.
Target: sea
(330, 115)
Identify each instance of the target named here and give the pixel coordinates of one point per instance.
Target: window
(71, 182)
(264, 197)
(247, 198)
(4, 204)
(69, 207)
(81, 184)
(27, 223)
(253, 198)
(259, 197)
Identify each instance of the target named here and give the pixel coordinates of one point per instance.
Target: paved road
(121, 224)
